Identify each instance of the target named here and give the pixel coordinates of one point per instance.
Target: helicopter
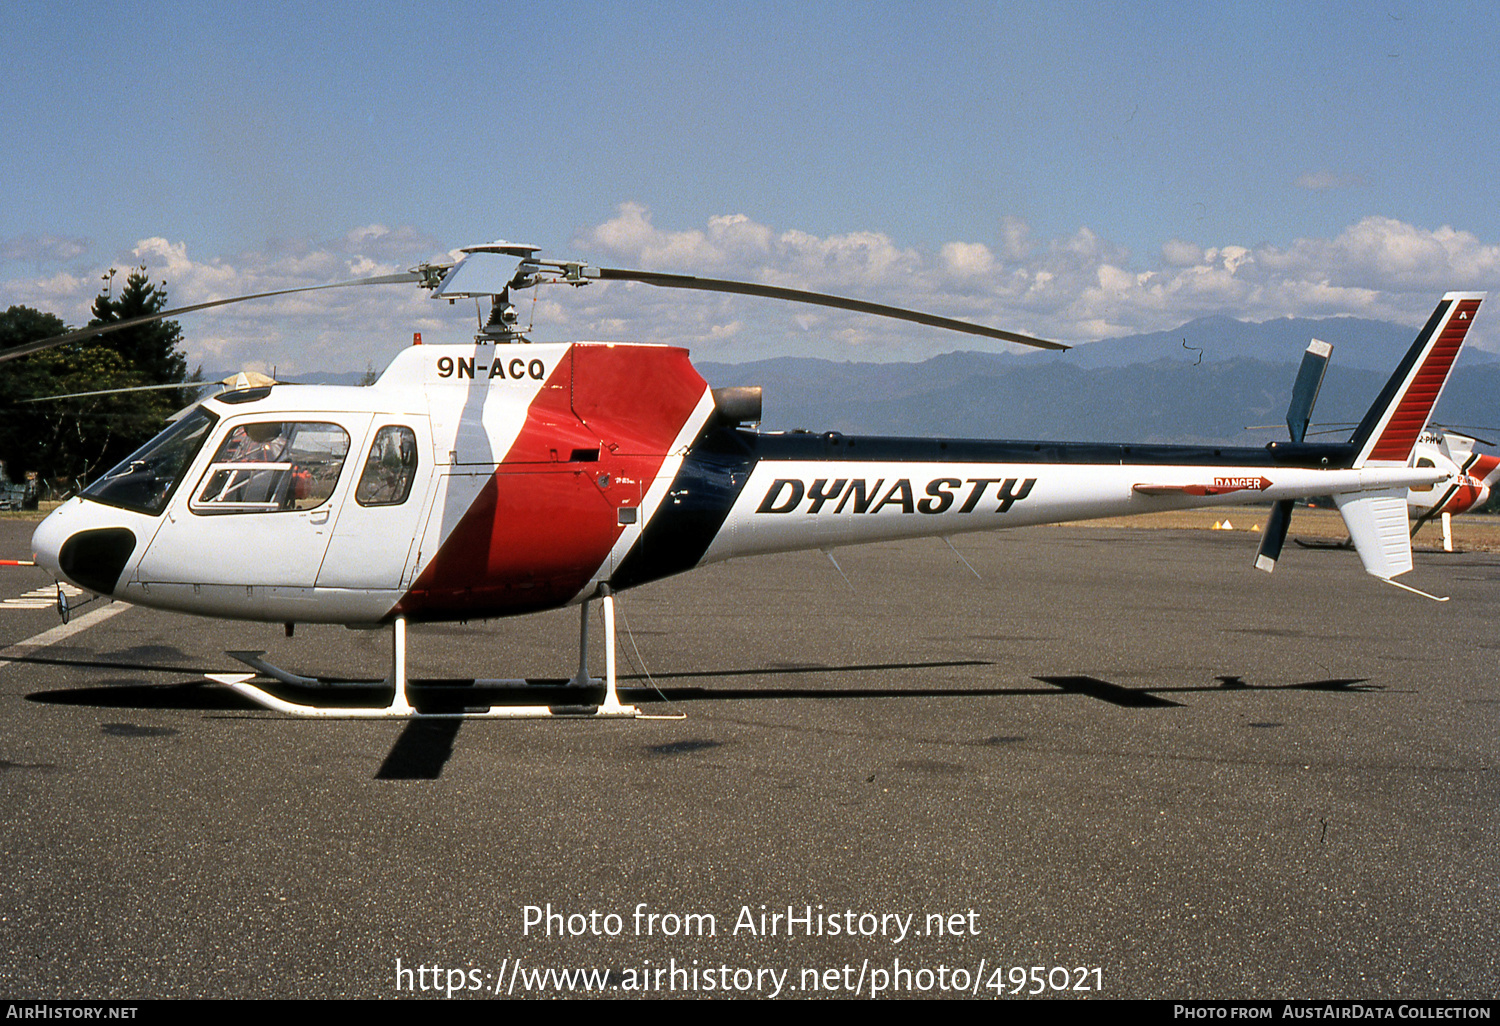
(1469, 479)
(503, 477)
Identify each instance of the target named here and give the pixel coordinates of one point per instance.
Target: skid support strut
(401, 706)
(611, 706)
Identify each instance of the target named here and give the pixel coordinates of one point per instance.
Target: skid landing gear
(451, 702)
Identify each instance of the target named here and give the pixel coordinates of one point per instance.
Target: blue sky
(1076, 171)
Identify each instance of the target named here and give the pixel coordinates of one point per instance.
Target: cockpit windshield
(148, 477)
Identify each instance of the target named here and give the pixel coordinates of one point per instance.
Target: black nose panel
(95, 559)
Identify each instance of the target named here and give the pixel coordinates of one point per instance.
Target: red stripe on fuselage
(1473, 487)
(544, 524)
(1465, 494)
(1486, 468)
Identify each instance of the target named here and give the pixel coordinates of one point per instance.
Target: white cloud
(339, 329)
(870, 258)
(1178, 253)
(630, 235)
(967, 259)
(1076, 288)
(1385, 254)
(59, 291)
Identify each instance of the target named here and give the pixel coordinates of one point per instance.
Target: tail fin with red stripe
(1377, 519)
(1391, 428)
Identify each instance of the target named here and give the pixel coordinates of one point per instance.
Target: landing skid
(401, 707)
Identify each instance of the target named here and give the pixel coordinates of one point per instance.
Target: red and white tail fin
(1391, 427)
(1377, 520)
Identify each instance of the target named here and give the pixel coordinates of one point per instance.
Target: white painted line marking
(44, 597)
(62, 631)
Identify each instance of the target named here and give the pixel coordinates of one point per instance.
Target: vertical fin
(1391, 427)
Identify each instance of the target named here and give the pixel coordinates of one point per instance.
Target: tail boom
(798, 504)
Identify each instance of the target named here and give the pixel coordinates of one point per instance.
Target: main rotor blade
(103, 329)
(241, 379)
(745, 288)
(119, 391)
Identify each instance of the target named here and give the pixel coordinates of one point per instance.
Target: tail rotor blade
(1275, 536)
(1305, 390)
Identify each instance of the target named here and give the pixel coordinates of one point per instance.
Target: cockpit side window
(148, 477)
(389, 469)
(273, 466)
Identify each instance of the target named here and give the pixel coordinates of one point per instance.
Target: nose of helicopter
(78, 548)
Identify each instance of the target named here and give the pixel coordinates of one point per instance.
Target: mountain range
(1209, 381)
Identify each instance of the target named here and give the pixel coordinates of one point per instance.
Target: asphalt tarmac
(1124, 758)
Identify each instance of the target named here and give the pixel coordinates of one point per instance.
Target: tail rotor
(1298, 416)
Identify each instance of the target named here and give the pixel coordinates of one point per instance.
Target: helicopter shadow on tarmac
(425, 744)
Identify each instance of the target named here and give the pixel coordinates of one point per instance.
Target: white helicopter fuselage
(473, 420)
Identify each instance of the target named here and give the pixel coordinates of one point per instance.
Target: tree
(22, 379)
(151, 350)
(77, 438)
